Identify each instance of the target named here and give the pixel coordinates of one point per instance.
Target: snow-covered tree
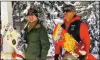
(50, 13)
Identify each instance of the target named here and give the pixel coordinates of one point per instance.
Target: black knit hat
(68, 6)
(32, 11)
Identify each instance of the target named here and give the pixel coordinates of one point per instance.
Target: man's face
(68, 13)
(31, 18)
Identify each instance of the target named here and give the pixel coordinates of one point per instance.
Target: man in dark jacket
(37, 39)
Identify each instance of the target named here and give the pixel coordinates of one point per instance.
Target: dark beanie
(32, 11)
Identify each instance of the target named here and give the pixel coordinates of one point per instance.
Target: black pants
(81, 57)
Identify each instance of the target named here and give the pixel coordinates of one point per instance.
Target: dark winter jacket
(38, 42)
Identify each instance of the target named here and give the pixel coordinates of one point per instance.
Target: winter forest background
(51, 14)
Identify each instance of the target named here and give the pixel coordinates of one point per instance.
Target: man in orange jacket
(79, 30)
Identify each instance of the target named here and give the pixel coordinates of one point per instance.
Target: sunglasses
(67, 10)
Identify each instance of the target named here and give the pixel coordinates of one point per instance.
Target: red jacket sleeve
(84, 35)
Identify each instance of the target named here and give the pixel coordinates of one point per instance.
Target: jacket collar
(74, 19)
(33, 25)
(66, 23)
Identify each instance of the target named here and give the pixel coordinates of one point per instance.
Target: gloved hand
(82, 57)
(56, 57)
